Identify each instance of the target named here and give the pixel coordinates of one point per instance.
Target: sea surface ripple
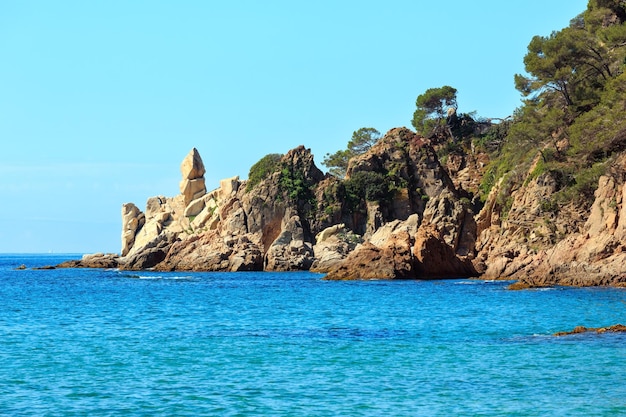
(106, 342)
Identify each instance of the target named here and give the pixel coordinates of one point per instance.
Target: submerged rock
(617, 328)
(95, 260)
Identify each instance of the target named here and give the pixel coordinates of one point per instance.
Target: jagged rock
(211, 252)
(434, 258)
(616, 328)
(383, 234)
(95, 260)
(132, 220)
(392, 261)
(151, 254)
(289, 251)
(192, 166)
(163, 214)
(192, 189)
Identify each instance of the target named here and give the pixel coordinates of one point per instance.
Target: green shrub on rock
(262, 169)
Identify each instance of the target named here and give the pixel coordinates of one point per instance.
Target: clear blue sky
(101, 100)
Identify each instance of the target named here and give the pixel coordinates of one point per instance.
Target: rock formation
(616, 328)
(299, 219)
(132, 220)
(398, 214)
(192, 185)
(575, 248)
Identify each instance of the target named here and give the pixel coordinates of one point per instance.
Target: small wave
(157, 277)
(166, 277)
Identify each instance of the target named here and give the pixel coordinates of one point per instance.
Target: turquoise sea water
(105, 342)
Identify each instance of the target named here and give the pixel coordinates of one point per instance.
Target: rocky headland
(537, 198)
(400, 213)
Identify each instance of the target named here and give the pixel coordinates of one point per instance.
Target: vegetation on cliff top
(571, 121)
(569, 126)
(362, 140)
(262, 169)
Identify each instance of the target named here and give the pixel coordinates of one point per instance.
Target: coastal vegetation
(362, 140)
(572, 120)
(262, 169)
(536, 197)
(570, 125)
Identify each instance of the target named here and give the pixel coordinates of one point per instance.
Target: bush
(262, 169)
(367, 186)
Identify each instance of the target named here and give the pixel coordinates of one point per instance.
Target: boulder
(434, 258)
(192, 166)
(330, 231)
(192, 189)
(195, 207)
(333, 246)
(289, 251)
(228, 187)
(391, 261)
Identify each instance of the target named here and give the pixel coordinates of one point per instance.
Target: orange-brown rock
(367, 261)
(617, 328)
(434, 258)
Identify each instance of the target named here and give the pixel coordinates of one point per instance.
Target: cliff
(399, 214)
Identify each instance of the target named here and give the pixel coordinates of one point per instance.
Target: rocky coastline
(427, 223)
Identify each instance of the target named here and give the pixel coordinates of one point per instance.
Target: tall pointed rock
(192, 185)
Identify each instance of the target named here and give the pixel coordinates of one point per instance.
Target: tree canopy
(570, 67)
(362, 140)
(574, 90)
(432, 107)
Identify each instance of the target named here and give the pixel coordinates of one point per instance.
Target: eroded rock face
(132, 221)
(290, 251)
(400, 250)
(526, 246)
(297, 219)
(210, 251)
(151, 254)
(392, 260)
(192, 185)
(434, 258)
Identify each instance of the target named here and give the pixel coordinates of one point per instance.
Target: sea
(95, 342)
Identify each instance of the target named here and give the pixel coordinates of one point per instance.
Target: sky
(100, 101)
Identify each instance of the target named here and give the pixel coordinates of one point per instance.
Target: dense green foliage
(572, 120)
(362, 140)
(569, 127)
(367, 186)
(432, 107)
(293, 183)
(262, 169)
